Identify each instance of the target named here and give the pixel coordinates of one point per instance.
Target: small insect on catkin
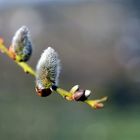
(47, 72)
(21, 47)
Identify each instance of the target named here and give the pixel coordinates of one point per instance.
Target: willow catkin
(21, 45)
(48, 69)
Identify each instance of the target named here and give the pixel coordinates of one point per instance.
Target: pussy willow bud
(47, 72)
(79, 94)
(21, 47)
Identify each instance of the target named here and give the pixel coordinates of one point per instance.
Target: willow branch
(65, 94)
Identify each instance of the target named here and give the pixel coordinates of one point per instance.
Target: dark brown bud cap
(43, 92)
(79, 95)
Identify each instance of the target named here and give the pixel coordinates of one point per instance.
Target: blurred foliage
(98, 43)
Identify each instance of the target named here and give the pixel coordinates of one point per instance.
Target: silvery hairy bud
(21, 47)
(47, 72)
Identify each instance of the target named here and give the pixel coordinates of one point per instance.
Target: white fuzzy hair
(21, 43)
(48, 68)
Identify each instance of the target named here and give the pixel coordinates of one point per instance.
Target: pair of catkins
(48, 67)
(47, 70)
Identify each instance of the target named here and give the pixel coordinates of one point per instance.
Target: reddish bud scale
(98, 105)
(79, 95)
(1, 40)
(12, 53)
(43, 92)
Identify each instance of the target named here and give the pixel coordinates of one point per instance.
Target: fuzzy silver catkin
(21, 44)
(48, 68)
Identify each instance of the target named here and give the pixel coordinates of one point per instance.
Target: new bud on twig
(79, 94)
(96, 104)
(21, 47)
(47, 72)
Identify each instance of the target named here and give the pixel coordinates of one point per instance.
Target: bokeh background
(98, 42)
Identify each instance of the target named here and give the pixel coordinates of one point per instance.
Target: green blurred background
(98, 42)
